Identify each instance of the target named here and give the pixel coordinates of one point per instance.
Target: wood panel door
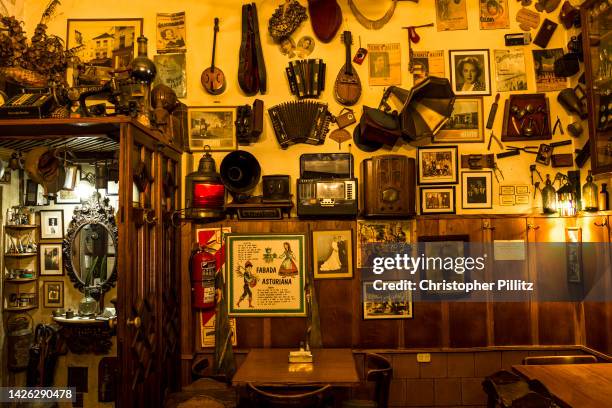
(140, 262)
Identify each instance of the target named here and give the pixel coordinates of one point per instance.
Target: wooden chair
(279, 397)
(503, 388)
(546, 360)
(378, 371)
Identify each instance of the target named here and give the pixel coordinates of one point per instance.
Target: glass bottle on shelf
(589, 194)
(88, 305)
(604, 198)
(549, 197)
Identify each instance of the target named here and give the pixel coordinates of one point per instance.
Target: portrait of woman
(470, 72)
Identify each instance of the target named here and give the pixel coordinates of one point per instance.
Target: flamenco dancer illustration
(288, 267)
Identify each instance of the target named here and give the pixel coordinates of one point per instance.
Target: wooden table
(574, 385)
(335, 367)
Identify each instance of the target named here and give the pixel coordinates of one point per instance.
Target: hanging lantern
(566, 200)
(205, 194)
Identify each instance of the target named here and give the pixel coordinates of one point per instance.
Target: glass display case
(596, 18)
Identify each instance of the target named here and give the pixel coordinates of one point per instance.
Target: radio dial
(390, 195)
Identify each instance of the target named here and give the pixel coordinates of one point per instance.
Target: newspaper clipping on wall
(544, 65)
(171, 71)
(171, 33)
(451, 15)
(427, 63)
(494, 14)
(385, 61)
(510, 72)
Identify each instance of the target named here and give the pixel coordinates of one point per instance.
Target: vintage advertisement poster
(544, 65)
(494, 14)
(266, 274)
(171, 71)
(385, 60)
(427, 63)
(451, 15)
(510, 72)
(171, 33)
(377, 238)
(207, 330)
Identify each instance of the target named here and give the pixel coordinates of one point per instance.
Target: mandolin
(213, 79)
(347, 88)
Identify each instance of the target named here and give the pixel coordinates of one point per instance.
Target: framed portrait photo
(438, 200)
(332, 254)
(437, 165)
(212, 126)
(103, 45)
(443, 246)
(385, 304)
(51, 263)
(465, 124)
(51, 224)
(53, 294)
(477, 189)
(470, 72)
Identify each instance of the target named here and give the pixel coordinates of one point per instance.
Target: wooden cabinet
(148, 299)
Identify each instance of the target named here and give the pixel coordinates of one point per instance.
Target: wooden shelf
(20, 308)
(20, 227)
(18, 281)
(24, 255)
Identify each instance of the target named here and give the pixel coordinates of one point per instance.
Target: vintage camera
(345, 118)
(360, 56)
(249, 122)
(388, 186)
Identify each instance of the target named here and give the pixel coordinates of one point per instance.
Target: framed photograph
(51, 263)
(465, 124)
(470, 72)
(544, 66)
(385, 304)
(437, 165)
(266, 274)
(477, 189)
(573, 253)
(53, 294)
(212, 126)
(451, 15)
(51, 224)
(67, 197)
(332, 253)
(437, 200)
(494, 14)
(384, 64)
(103, 45)
(381, 238)
(443, 246)
(510, 72)
(31, 197)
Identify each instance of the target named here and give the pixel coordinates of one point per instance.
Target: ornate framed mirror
(90, 247)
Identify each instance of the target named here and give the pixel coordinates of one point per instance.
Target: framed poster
(172, 72)
(377, 238)
(53, 294)
(465, 124)
(212, 126)
(442, 247)
(385, 304)
(207, 329)
(171, 33)
(51, 224)
(103, 45)
(477, 189)
(437, 165)
(51, 263)
(266, 274)
(470, 72)
(332, 253)
(438, 200)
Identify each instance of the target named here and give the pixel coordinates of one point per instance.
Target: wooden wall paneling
(467, 319)
(556, 323)
(510, 318)
(188, 320)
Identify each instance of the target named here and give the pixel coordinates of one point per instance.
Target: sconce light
(85, 187)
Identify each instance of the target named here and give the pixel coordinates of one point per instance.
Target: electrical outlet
(424, 358)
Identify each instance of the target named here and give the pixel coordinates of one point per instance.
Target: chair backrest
(379, 371)
(278, 397)
(545, 360)
(533, 400)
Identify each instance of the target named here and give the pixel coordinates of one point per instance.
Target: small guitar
(213, 79)
(347, 89)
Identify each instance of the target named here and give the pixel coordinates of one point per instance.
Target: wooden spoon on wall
(213, 79)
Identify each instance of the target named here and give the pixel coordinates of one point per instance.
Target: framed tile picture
(437, 165)
(51, 224)
(437, 200)
(212, 126)
(53, 294)
(51, 263)
(332, 253)
(477, 189)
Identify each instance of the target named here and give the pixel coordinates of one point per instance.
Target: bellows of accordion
(300, 122)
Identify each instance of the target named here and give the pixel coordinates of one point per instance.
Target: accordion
(300, 122)
(306, 78)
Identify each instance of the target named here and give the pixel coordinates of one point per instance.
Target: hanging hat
(325, 17)
(43, 167)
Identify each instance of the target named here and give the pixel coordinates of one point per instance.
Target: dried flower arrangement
(35, 63)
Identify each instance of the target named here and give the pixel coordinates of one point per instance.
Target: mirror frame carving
(93, 211)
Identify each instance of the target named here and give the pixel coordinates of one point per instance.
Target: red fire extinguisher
(203, 269)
